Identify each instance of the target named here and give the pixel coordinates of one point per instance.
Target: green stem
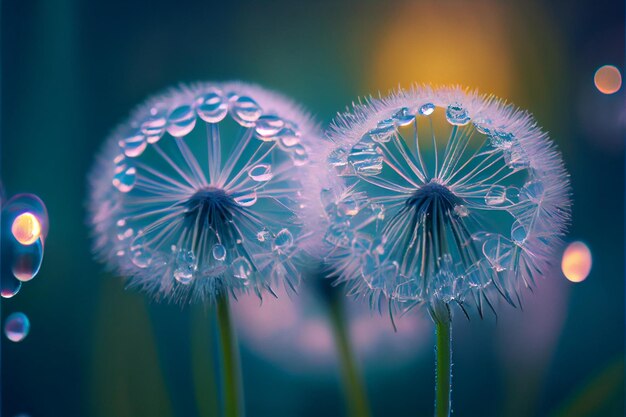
(443, 374)
(355, 390)
(231, 374)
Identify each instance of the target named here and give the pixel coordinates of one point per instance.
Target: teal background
(72, 70)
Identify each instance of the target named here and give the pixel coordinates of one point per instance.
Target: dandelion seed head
(448, 196)
(199, 193)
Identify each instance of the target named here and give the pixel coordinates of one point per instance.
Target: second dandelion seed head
(447, 196)
(199, 192)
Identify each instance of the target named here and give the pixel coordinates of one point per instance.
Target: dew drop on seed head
(403, 117)
(241, 268)
(219, 252)
(246, 200)
(495, 195)
(16, 327)
(261, 172)
(185, 267)
(427, 109)
(212, 107)
(269, 126)
(181, 121)
(153, 127)
(125, 175)
(245, 111)
(283, 240)
(134, 144)
(457, 115)
(365, 160)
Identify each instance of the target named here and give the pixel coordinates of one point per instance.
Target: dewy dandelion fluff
(449, 197)
(197, 197)
(197, 194)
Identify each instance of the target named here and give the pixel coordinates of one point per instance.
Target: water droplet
(457, 115)
(124, 231)
(403, 117)
(299, 155)
(261, 172)
(16, 327)
(211, 107)
(338, 157)
(382, 134)
(153, 128)
(532, 191)
(501, 139)
(141, 258)
(134, 145)
(516, 158)
(246, 200)
(241, 268)
(495, 195)
(219, 252)
(125, 176)
(283, 240)
(139, 254)
(263, 235)
(181, 121)
(483, 126)
(287, 139)
(519, 232)
(245, 111)
(365, 160)
(269, 126)
(427, 109)
(26, 260)
(461, 210)
(185, 267)
(497, 250)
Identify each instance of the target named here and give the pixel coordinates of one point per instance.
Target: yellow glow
(440, 43)
(608, 79)
(576, 263)
(26, 228)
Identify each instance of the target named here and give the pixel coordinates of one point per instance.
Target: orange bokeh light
(608, 79)
(576, 263)
(26, 228)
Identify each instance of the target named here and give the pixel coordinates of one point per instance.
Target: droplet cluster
(198, 192)
(446, 196)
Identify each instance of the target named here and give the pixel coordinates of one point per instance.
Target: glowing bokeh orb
(26, 228)
(16, 327)
(608, 79)
(576, 263)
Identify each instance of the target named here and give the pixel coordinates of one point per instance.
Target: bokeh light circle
(608, 79)
(16, 327)
(577, 261)
(26, 228)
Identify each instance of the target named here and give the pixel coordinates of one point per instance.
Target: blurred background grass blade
(172, 333)
(602, 395)
(203, 364)
(127, 378)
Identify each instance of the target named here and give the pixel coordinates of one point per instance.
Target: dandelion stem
(358, 405)
(231, 373)
(443, 376)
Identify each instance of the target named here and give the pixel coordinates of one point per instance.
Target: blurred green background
(72, 70)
